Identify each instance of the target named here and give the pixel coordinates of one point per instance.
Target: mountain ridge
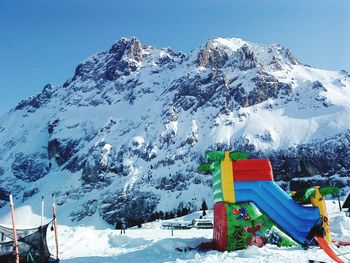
(129, 128)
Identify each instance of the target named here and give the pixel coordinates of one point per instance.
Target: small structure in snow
(203, 223)
(177, 224)
(346, 204)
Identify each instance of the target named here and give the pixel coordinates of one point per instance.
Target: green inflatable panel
(247, 226)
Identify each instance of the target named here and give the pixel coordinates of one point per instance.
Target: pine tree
(178, 213)
(185, 211)
(152, 217)
(156, 215)
(161, 214)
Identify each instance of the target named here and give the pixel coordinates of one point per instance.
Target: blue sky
(42, 41)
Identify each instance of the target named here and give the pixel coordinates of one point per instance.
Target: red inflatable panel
(220, 226)
(252, 170)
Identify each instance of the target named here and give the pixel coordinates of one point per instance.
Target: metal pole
(42, 210)
(172, 230)
(55, 224)
(15, 243)
(339, 203)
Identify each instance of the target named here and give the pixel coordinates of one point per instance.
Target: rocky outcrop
(244, 59)
(212, 56)
(325, 159)
(30, 167)
(37, 101)
(139, 205)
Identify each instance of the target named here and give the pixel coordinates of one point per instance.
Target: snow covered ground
(153, 244)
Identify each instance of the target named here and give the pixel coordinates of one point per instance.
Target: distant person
(123, 227)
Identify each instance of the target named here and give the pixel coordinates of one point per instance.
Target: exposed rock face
(140, 205)
(212, 56)
(29, 168)
(245, 59)
(3, 197)
(122, 138)
(325, 158)
(38, 101)
(125, 56)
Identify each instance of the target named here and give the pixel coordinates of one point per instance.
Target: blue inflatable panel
(294, 219)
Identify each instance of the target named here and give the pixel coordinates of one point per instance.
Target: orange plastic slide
(324, 245)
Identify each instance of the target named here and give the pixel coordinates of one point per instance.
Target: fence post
(15, 242)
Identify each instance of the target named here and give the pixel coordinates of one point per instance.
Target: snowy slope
(151, 243)
(124, 135)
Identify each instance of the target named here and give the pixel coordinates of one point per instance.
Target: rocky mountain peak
(235, 52)
(282, 53)
(215, 53)
(211, 56)
(123, 137)
(34, 102)
(132, 48)
(125, 56)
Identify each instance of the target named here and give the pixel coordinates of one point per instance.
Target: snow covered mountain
(124, 135)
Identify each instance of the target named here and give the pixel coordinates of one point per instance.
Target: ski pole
(42, 211)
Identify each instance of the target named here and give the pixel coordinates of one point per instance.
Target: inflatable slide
(251, 209)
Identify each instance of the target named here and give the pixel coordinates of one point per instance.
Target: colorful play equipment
(239, 225)
(315, 195)
(251, 209)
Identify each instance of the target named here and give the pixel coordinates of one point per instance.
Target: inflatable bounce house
(251, 209)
